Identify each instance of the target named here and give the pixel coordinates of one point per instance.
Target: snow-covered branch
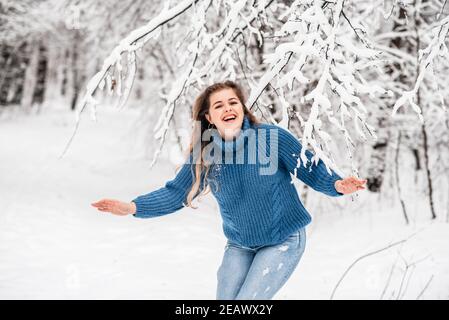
(320, 35)
(426, 57)
(134, 41)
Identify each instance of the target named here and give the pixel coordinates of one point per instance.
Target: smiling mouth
(230, 119)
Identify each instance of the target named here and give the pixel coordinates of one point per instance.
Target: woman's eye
(217, 107)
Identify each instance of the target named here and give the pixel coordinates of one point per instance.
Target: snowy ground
(53, 244)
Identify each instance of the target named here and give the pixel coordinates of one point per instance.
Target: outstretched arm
(171, 197)
(314, 175)
(162, 201)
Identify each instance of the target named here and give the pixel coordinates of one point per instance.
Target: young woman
(263, 218)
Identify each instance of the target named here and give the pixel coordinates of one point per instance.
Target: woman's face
(225, 112)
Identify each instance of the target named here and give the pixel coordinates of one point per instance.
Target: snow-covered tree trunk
(377, 163)
(75, 70)
(41, 75)
(397, 178)
(67, 84)
(30, 82)
(6, 79)
(55, 65)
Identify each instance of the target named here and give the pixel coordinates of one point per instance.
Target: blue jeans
(258, 272)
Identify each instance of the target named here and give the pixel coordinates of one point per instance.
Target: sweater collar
(236, 143)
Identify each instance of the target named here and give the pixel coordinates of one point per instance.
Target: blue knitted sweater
(257, 207)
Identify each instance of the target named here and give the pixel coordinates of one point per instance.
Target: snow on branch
(323, 33)
(134, 41)
(215, 47)
(426, 57)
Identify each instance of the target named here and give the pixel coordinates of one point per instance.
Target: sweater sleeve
(169, 198)
(314, 175)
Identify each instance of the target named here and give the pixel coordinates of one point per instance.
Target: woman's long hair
(200, 108)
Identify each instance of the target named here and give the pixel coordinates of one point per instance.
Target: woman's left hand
(349, 185)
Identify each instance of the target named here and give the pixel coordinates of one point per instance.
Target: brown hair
(199, 111)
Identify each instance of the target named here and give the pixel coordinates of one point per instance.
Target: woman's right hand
(115, 207)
